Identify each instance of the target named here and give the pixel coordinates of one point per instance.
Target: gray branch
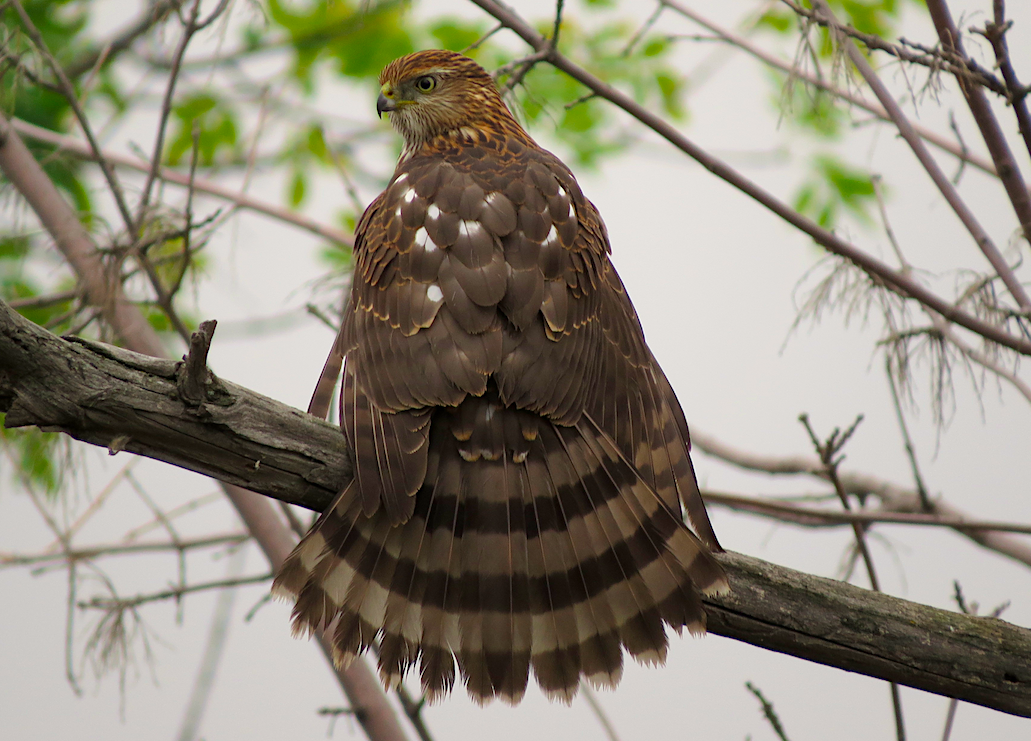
(123, 401)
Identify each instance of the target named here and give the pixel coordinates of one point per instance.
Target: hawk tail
(533, 547)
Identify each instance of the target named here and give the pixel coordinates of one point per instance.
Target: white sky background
(712, 276)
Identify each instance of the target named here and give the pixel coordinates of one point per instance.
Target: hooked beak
(384, 105)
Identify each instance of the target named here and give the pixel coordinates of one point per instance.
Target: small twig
(828, 453)
(173, 534)
(640, 32)
(899, 414)
(319, 314)
(995, 32)
(599, 712)
(85, 314)
(768, 712)
(794, 72)
(193, 384)
(950, 717)
(480, 41)
(73, 101)
(69, 631)
(813, 516)
(520, 68)
(907, 441)
(99, 551)
(413, 709)
(213, 652)
(961, 168)
(876, 182)
(580, 101)
(193, 25)
(187, 232)
(190, 506)
(334, 713)
(948, 191)
(66, 545)
(933, 59)
(154, 14)
(292, 520)
(557, 25)
(42, 301)
(106, 603)
(199, 185)
(984, 116)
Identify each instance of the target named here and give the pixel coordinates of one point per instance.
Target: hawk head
(436, 93)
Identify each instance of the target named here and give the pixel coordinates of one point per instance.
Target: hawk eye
(425, 84)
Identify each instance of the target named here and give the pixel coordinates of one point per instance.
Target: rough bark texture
(124, 401)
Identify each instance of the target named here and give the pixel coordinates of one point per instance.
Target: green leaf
(833, 186)
(338, 258)
(362, 38)
(456, 34)
(298, 186)
(215, 122)
(777, 20)
(36, 455)
(808, 108)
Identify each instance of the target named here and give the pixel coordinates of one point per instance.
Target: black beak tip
(383, 105)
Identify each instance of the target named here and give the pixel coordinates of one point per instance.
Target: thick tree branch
(122, 400)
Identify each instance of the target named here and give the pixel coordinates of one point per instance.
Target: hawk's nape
(521, 463)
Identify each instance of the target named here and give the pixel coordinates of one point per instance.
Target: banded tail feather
(531, 548)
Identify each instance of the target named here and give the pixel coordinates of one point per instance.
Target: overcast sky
(716, 281)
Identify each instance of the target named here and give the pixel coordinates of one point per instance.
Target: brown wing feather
(520, 459)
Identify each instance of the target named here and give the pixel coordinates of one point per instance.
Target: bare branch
(240, 200)
(828, 451)
(108, 603)
(814, 516)
(68, 90)
(878, 271)
(892, 497)
(995, 32)
(944, 185)
(794, 72)
(119, 549)
(933, 59)
(768, 712)
(991, 132)
(157, 12)
(599, 712)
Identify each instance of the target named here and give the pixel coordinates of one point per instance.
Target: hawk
(521, 464)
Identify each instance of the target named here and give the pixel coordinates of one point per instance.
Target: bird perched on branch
(521, 466)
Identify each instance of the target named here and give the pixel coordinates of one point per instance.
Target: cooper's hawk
(520, 460)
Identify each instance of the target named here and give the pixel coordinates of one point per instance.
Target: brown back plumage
(521, 461)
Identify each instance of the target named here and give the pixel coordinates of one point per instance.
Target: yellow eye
(425, 84)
